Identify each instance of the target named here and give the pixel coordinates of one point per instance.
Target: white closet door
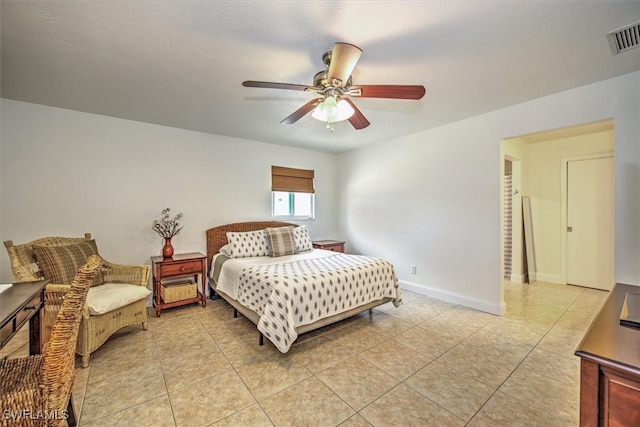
(590, 210)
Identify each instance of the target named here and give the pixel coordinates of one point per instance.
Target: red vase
(167, 249)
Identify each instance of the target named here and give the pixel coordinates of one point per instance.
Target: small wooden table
(192, 264)
(20, 303)
(610, 367)
(329, 245)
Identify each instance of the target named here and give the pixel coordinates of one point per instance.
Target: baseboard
(516, 278)
(551, 278)
(477, 304)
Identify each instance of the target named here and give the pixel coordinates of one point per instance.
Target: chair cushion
(281, 241)
(111, 296)
(60, 263)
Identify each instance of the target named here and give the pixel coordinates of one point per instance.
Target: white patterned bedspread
(296, 290)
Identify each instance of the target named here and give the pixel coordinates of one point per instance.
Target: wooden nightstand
(329, 245)
(193, 264)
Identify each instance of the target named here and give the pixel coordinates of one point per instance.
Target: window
(292, 193)
(287, 204)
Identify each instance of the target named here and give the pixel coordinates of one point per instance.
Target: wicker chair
(94, 329)
(36, 390)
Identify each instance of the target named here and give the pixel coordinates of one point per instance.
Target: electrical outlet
(414, 269)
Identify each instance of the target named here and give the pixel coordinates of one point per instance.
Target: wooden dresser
(610, 367)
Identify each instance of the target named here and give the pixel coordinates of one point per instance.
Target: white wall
(432, 199)
(66, 173)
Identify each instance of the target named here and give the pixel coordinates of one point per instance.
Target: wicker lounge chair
(95, 329)
(36, 390)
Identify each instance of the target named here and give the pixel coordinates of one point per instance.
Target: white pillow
(226, 250)
(111, 296)
(248, 244)
(302, 239)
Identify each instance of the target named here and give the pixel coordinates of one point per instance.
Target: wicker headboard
(217, 236)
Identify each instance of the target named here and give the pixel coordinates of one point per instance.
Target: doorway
(542, 158)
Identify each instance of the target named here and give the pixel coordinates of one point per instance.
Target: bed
(292, 293)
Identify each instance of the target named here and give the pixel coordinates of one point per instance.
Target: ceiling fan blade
(388, 91)
(343, 60)
(358, 120)
(301, 112)
(270, 85)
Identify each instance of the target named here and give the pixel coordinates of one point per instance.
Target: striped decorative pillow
(60, 263)
(281, 241)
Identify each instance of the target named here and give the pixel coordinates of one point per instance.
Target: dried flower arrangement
(167, 227)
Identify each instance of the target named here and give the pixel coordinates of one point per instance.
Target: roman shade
(289, 179)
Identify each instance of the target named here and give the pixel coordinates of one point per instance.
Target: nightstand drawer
(189, 267)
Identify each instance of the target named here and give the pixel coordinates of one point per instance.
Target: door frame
(564, 163)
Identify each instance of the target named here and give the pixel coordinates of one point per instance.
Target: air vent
(624, 38)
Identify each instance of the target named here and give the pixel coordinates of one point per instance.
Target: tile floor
(425, 363)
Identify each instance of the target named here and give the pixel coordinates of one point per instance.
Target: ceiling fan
(335, 87)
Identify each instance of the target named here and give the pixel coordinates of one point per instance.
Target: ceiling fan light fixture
(345, 110)
(330, 110)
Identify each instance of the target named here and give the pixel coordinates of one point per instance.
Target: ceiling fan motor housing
(321, 80)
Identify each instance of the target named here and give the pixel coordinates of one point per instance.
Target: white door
(590, 222)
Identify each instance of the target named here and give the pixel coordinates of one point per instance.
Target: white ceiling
(181, 63)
